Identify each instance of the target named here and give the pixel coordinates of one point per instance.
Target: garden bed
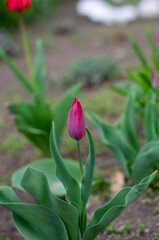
(86, 39)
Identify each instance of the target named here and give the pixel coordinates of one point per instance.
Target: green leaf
(114, 140)
(150, 117)
(34, 222)
(61, 110)
(73, 193)
(130, 123)
(137, 49)
(48, 167)
(106, 214)
(36, 184)
(88, 171)
(34, 121)
(153, 47)
(147, 158)
(40, 73)
(16, 72)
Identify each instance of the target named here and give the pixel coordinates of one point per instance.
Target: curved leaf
(36, 184)
(150, 117)
(88, 171)
(34, 222)
(114, 140)
(106, 214)
(146, 160)
(130, 123)
(48, 167)
(73, 193)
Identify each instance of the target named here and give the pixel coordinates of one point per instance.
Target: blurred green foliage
(38, 9)
(90, 71)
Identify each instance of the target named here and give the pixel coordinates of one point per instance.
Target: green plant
(141, 227)
(54, 218)
(135, 158)
(34, 119)
(90, 71)
(141, 79)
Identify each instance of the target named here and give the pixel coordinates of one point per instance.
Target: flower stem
(26, 49)
(79, 157)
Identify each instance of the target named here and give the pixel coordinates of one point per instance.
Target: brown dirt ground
(86, 39)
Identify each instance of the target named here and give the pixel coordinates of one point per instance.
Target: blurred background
(84, 41)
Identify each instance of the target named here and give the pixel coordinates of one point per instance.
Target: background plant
(135, 157)
(141, 80)
(34, 119)
(91, 71)
(53, 217)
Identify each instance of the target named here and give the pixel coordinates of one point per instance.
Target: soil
(85, 39)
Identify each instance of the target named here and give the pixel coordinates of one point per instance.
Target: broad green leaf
(150, 117)
(141, 77)
(34, 222)
(130, 123)
(137, 49)
(147, 158)
(36, 184)
(48, 167)
(114, 140)
(73, 193)
(34, 121)
(88, 171)
(106, 214)
(40, 73)
(61, 110)
(16, 72)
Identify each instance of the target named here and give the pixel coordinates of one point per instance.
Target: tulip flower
(77, 127)
(76, 121)
(154, 78)
(18, 5)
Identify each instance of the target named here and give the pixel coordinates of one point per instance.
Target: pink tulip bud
(156, 38)
(76, 121)
(18, 5)
(154, 79)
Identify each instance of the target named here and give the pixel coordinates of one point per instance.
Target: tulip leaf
(147, 158)
(34, 121)
(72, 188)
(61, 109)
(137, 50)
(149, 117)
(34, 222)
(16, 72)
(40, 73)
(36, 184)
(106, 214)
(130, 123)
(48, 168)
(153, 47)
(114, 140)
(88, 171)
